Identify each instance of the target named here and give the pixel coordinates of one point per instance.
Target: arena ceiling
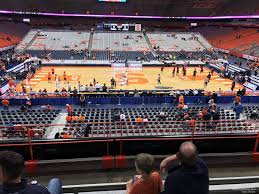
(138, 7)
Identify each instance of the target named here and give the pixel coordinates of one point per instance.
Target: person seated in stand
(74, 118)
(12, 181)
(69, 118)
(81, 118)
(139, 120)
(46, 108)
(147, 181)
(162, 115)
(23, 108)
(254, 115)
(187, 173)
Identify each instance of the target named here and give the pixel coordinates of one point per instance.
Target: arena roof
(138, 7)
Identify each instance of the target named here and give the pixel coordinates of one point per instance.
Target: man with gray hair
(190, 174)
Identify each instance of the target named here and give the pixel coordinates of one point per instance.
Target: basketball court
(140, 78)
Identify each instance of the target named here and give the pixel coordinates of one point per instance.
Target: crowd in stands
(9, 60)
(187, 173)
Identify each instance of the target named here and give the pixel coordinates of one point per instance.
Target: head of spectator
(180, 106)
(144, 164)
(23, 108)
(187, 154)
(191, 170)
(185, 107)
(81, 118)
(12, 165)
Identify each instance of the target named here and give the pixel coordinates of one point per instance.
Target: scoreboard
(119, 27)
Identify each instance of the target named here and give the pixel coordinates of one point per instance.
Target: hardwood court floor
(141, 79)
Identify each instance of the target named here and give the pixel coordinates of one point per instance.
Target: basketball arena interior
(86, 85)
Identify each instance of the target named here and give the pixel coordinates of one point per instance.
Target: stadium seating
(241, 40)
(103, 122)
(14, 119)
(178, 42)
(8, 40)
(112, 46)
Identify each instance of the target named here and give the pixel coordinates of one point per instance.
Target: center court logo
(133, 78)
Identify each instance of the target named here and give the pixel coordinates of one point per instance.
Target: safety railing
(121, 131)
(227, 185)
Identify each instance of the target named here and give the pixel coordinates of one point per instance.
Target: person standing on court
(189, 175)
(233, 85)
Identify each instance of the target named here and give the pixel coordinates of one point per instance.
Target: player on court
(94, 82)
(184, 71)
(56, 80)
(173, 72)
(201, 70)
(49, 77)
(177, 70)
(126, 78)
(52, 70)
(113, 83)
(59, 84)
(65, 76)
(162, 68)
(194, 73)
(159, 79)
(206, 81)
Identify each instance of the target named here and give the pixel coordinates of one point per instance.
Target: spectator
(75, 92)
(162, 115)
(211, 102)
(28, 104)
(82, 100)
(79, 86)
(97, 87)
(180, 106)
(254, 115)
(136, 94)
(238, 110)
(69, 118)
(23, 108)
(122, 117)
(215, 115)
(69, 108)
(12, 165)
(104, 88)
(81, 118)
(5, 103)
(237, 100)
(46, 108)
(147, 181)
(68, 87)
(139, 120)
(74, 118)
(190, 175)
(87, 130)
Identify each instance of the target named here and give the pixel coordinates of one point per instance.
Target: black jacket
(22, 188)
(186, 180)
